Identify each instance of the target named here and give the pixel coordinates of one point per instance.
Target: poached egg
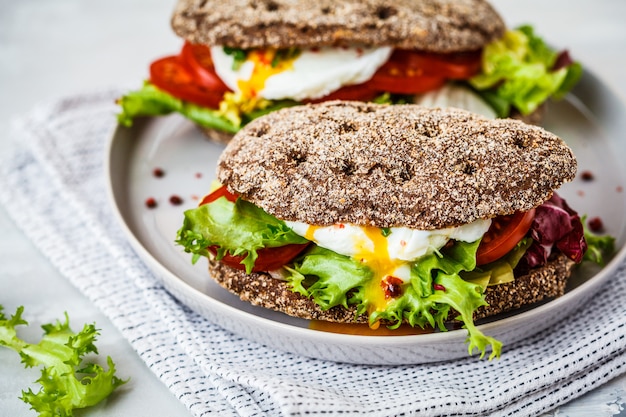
(387, 251)
(309, 74)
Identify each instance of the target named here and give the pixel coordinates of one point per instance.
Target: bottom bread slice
(263, 290)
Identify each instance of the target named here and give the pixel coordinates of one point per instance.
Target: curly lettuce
(67, 383)
(520, 71)
(239, 228)
(230, 118)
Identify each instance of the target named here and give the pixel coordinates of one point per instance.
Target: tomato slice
(171, 75)
(220, 192)
(456, 66)
(191, 75)
(416, 72)
(268, 258)
(199, 61)
(505, 232)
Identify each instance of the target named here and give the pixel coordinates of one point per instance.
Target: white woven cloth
(53, 186)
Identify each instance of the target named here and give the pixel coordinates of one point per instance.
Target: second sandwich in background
(242, 59)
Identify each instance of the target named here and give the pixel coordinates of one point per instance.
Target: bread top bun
(392, 165)
(431, 25)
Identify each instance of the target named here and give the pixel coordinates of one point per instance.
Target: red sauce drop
(392, 286)
(586, 176)
(198, 174)
(176, 200)
(158, 172)
(619, 189)
(151, 203)
(439, 287)
(595, 224)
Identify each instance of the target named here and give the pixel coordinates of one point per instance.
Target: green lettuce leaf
(239, 228)
(334, 276)
(151, 101)
(66, 382)
(463, 296)
(518, 72)
(599, 247)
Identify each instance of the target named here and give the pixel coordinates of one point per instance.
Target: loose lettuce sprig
(67, 383)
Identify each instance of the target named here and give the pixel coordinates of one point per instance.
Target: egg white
(314, 73)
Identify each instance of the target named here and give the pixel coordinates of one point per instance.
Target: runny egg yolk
(265, 65)
(372, 251)
(379, 261)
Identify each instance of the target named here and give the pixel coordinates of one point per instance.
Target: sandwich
(242, 59)
(355, 212)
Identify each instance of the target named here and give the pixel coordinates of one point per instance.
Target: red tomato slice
(268, 258)
(220, 192)
(456, 66)
(171, 75)
(505, 232)
(199, 61)
(416, 72)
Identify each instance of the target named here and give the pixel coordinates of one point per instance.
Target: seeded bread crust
(262, 290)
(432, 25)
(385, 166)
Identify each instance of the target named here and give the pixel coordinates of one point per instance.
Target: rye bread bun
(262, 290)
(432, 25)
(392, 165)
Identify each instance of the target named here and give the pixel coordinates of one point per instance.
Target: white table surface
(50, 49)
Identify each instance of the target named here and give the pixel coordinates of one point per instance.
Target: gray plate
(591, 120)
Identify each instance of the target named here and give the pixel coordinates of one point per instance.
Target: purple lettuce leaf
(555, 225)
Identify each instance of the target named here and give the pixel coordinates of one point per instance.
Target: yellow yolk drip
(373, 252)
(310, 232)
(265, 65)
(379, 262)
